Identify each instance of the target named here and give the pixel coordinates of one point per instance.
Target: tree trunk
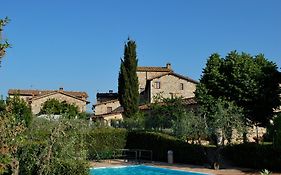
(257, 132)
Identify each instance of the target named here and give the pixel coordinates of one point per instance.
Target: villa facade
(36, 98)
(153, 81)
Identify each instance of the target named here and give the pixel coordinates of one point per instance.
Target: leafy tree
(3, 45)
(274, 131)
(55, 147)
(54, 106)
(164, 111)
(10, 139)
(250, 82)
(191, 126)
(20, 110)
(137, 122)
(225, 117)
(128, 81)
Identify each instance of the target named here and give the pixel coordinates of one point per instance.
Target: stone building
(106, 103)
(153, 81)
(36, 98)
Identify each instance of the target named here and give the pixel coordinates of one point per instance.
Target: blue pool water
(139, 170)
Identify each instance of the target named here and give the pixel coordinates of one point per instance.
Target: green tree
(274, 131)
(128, 81)
(3, 44)
(19, 109)
(54, 106)
(163, 112)
(55, 147)
(10, 140)
(250, 82)
(190, 126)
(226, 117)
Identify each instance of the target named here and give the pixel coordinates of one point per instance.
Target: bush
(103, 142)
(54, 147)
(255, 156)
(161, 143)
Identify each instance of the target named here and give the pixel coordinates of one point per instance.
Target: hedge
(160, 144)
(103, 142)
(255, 156)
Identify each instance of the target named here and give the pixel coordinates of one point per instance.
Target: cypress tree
(128, 81)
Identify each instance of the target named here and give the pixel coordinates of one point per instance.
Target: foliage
(54, 106)
(54, 147)
(20, 110)
(128, 81)
(191, 126)
(161, 143)
(136, 122)
(265, 172)
(250, 82)
(103, 142)
(10, 139)
(274, 131)
(163, 112)
(3, 45)
(225, 118)
(255, 156)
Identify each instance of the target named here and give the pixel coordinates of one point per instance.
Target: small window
(109, 109)
(181, 86)
(157, 85)
(172, 95)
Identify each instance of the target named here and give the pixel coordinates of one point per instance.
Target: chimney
(61, 88)
(169, 66)
(110, 91)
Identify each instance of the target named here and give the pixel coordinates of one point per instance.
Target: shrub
(161, 143)
(54, 147)
(254, 156)
(102, 142)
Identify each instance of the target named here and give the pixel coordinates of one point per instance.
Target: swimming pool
(139, 170)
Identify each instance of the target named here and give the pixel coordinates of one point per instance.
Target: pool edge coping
(151, 166)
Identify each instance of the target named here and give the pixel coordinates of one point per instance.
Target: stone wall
(102, 107)
(170, 86)
(23, 97)
(37, 104)
(144, 76)
(112, 117)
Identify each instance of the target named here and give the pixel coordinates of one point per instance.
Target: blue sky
(78, 44)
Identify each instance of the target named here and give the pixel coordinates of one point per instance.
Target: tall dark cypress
(128, 81)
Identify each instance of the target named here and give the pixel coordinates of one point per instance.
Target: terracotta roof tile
(37, 93)
(153, 69)
(177, 75)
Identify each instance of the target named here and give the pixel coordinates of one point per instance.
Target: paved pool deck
(184, 167)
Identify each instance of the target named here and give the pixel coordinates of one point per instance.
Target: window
(109, 109)
(172, 95)
(181, 86)
(157, 85)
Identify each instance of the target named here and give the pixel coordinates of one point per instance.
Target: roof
(177, 75)
(120, 109)
(154, 69)
(186, 101)
(108, 95)
(40, 92)
(36, 94)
